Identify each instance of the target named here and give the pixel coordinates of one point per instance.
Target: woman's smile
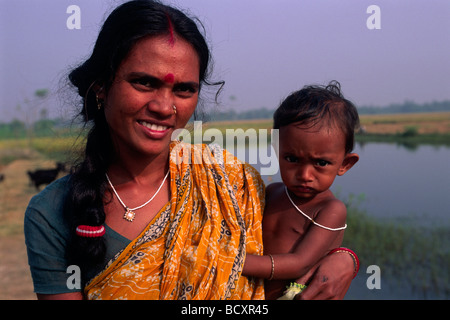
(153, 129)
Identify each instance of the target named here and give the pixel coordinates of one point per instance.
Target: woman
(189, 240)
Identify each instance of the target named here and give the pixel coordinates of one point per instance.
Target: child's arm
(315, 244)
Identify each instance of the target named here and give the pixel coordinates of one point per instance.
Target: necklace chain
(129, 213)
(308, 217)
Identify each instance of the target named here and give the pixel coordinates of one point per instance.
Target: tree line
(406, 107)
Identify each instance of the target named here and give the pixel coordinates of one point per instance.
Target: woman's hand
(330, 278)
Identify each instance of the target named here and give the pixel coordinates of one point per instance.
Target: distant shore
(429, 128)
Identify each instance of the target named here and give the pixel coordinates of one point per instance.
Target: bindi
(169, 78)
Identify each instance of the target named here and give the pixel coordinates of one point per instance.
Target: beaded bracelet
(352, 254)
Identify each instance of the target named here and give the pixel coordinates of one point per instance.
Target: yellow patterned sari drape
(195, 247)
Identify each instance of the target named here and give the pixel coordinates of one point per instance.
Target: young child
(303, 220)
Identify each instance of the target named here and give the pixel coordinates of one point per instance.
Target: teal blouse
(47, 233)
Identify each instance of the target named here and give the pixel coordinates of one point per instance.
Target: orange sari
(195, 247)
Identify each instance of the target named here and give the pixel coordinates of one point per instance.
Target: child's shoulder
(332, 213)
(329, 202)
(336, 205)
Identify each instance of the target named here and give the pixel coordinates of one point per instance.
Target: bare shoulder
(332, 211)
(334, 205)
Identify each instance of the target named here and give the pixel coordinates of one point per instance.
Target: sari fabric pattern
(195, 247)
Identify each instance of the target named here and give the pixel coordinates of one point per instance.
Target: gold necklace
(129, 213)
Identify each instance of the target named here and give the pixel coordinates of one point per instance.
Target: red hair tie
(90, 231)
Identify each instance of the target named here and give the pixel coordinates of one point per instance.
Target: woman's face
(157, 74)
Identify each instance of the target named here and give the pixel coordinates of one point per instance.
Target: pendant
(129, 215)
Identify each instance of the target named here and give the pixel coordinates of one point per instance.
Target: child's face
(310, 158)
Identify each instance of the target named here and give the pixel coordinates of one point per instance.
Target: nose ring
(174, 109)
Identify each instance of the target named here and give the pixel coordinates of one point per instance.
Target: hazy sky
(263, 49)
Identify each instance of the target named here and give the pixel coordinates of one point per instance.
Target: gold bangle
(273, 267)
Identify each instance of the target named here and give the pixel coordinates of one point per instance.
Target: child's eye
(291, 159)
(322, 163)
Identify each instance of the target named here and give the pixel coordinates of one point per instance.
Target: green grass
(58, 148)
(416, 255)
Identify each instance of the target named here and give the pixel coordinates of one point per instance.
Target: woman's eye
(144, 83)
(185, 90)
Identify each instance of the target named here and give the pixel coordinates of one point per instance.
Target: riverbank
(407, 129)
(432, 123)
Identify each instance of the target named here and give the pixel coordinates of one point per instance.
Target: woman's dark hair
(318, 105)
(124, 27)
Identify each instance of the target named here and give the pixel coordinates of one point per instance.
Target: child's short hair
(313, 105)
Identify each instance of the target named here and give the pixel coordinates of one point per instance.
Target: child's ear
(349, 161)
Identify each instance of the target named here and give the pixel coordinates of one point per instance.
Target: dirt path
(15, 278)
(15, 193)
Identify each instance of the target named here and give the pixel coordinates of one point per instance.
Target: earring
(99, 102)
(174, 109)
